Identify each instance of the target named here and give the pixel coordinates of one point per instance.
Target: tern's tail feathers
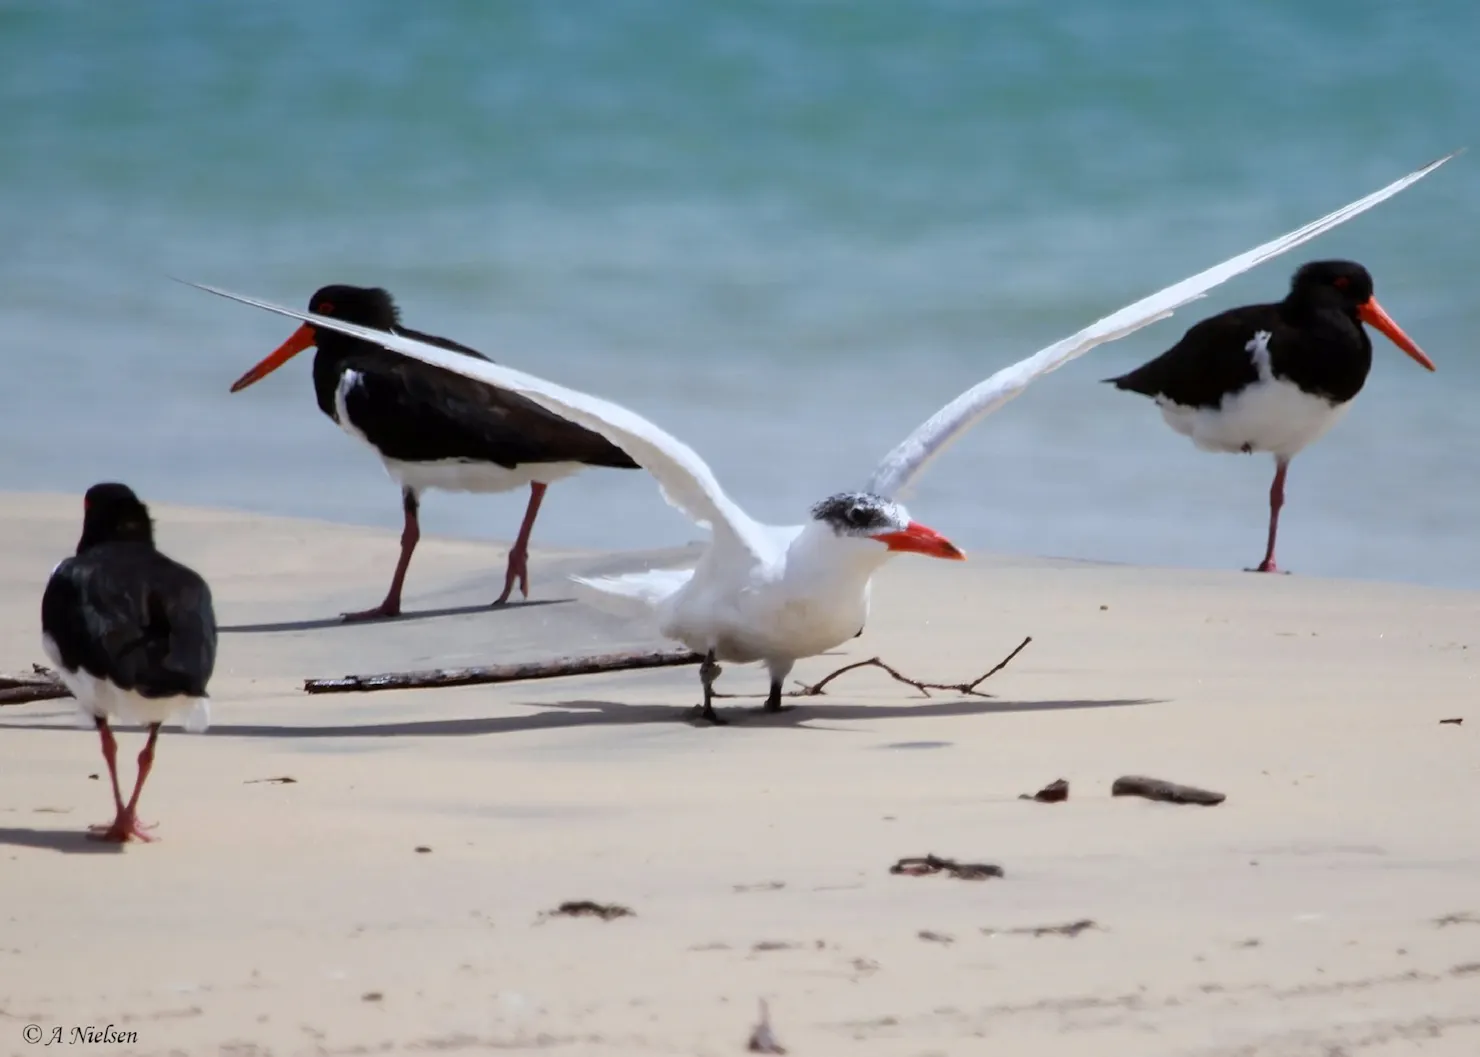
(632, 594)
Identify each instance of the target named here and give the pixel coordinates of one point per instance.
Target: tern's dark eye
(860, 516)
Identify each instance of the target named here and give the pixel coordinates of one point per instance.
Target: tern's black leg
(773, 699)
(780, 669)
(708, 673)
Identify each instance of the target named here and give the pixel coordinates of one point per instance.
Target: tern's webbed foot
(706, 714)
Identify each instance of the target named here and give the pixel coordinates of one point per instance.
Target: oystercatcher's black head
(369, 306)
(863, 515)
(111, 513)
(1348, 286)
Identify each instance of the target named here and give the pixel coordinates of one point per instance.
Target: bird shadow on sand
(610, 713)
(68, 841)
(409, 615)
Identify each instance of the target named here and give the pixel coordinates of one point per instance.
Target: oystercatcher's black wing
(416, 412)
(126, 613)
(1211, 361)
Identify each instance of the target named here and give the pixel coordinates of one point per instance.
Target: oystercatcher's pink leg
(110, 756)
(126, 826)
(410, 535)
(1276, 500)
(519, 556)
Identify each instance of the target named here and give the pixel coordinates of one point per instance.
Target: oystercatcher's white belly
(1275, 416)
(1272, 414)
(101, 697)
(464, 475)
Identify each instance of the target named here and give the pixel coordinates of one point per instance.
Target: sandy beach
(1330, 906)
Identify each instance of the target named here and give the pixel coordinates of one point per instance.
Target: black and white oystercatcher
(1272, 377)
(434, 428)
(132, 634)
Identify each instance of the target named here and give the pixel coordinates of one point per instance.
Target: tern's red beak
(1372, 314)
(300, 339)
(918, 539)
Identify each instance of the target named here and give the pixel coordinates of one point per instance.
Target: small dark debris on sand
(762, 1038)
(1464, 917)
(372, 996)
(783, 945)
(92, 777)
(918, 866)
(764, 886)
(281, 780)
(1070, 929)
(1168, 792)
(1467, 969)
(1052, 793)
(585, 908)
(1456, 721)
(422, 849)
(935, 937)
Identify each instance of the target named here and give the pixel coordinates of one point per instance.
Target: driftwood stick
(504, 673)
(969, 688)
(41, 685)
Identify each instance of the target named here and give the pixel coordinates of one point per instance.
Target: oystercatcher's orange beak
(300, 339)
(917, 539)
(1372, 314)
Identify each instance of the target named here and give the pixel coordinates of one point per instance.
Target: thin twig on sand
(969, 688)
(41, 685)
(504, 673)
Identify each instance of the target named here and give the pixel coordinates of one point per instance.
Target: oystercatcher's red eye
(325, 308)
(1340, 282)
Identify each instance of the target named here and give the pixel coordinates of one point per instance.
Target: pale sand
(1299, 917)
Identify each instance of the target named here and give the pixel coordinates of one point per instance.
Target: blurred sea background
(785, 231)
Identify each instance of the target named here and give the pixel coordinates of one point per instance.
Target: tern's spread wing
(684, 479)
(933, 436)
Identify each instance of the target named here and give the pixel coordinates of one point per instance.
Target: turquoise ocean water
(787, 232)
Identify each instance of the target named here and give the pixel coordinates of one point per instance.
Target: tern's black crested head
(860, 514)
(111, 513)
(1349, 281)
(369, 306)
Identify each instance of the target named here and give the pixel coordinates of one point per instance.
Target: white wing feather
(683, 477)
(905, 462)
